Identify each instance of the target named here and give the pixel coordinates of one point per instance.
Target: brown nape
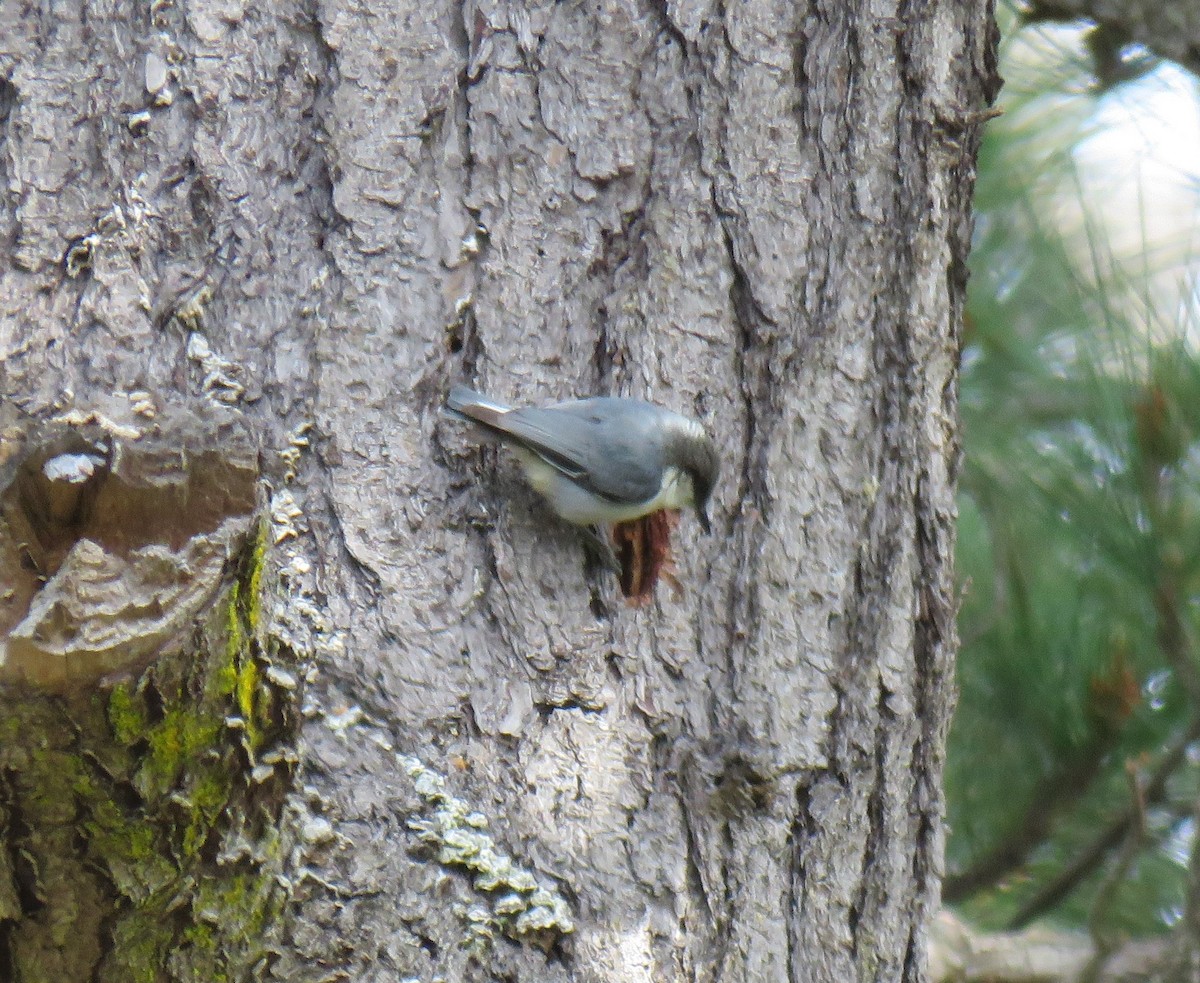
(644, 548)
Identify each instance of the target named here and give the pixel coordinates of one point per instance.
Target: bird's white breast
(580, 506)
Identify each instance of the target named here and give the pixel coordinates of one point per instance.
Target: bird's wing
(611, 447)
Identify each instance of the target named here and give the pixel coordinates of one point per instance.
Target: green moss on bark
(130, 798)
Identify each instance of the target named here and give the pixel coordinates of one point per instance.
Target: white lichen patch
(298, 442)
(285, 512)
(83, 418)
(142, 403)
(74, 469)
(220, 374)
(516, 903)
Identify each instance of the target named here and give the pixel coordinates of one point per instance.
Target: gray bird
(602, 460)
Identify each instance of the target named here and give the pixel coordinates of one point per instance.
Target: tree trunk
(320, 215)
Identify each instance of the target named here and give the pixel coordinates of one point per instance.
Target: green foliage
(1079, 537)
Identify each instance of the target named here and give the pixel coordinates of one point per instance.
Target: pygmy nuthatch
(602, 460)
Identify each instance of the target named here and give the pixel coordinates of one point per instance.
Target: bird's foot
(601, 549)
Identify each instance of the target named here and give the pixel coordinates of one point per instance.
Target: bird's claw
(602, 550)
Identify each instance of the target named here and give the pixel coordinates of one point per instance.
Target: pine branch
(1053, 794)
(1094, 854)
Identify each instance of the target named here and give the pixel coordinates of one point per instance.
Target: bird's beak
(702, 515)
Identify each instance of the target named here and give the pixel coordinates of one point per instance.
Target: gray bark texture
(319, 215)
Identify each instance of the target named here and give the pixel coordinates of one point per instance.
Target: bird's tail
(467, 404)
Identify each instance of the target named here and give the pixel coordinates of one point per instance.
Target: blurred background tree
(1072, 777)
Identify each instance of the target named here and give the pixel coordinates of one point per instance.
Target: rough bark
(321, 214)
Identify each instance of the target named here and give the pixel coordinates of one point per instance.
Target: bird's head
(694, 453)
